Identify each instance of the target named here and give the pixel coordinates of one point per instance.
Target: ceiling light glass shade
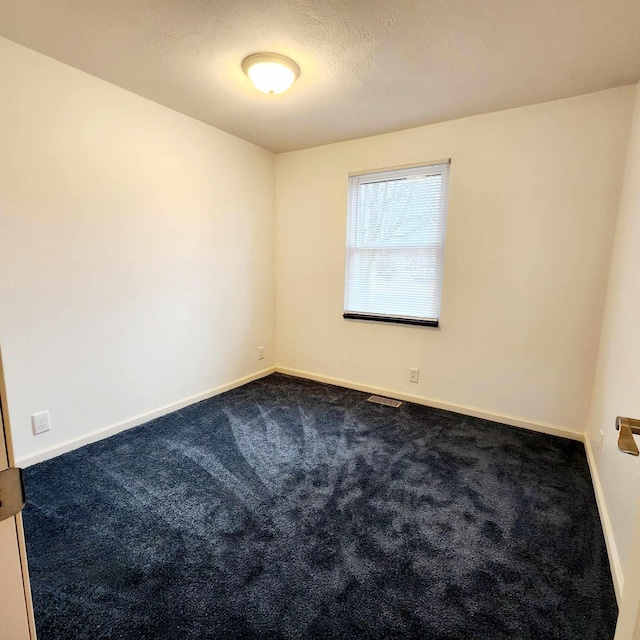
(271, 73)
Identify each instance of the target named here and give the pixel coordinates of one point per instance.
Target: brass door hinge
(12, 499)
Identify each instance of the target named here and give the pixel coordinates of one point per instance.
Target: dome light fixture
(271, 73)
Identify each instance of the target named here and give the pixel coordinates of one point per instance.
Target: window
(395, 244)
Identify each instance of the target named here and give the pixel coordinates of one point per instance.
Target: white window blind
(395, 244)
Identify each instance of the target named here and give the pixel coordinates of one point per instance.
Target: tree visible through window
(395, 244)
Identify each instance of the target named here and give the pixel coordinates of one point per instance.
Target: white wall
(616, 390)
(136, 251)
(532, 206)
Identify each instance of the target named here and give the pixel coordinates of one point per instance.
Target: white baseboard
(612, 550)
(123, 425)
(513, 421)
(105, 432)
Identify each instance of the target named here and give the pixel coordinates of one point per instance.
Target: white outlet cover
(414, 375)
(40, 422)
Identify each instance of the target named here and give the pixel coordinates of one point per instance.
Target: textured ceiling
(368, 66)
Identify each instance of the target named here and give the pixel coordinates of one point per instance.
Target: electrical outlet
(600, 441)
(414, 375)
(40, 422)
(260, 353)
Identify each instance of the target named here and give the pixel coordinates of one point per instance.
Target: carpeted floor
(293, 509)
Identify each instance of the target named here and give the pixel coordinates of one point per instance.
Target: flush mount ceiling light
(270, 72)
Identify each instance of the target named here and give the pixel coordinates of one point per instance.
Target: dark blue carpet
(293, 509)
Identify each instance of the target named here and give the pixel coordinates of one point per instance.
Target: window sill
(364, 316)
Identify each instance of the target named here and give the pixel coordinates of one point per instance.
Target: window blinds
(395, 244)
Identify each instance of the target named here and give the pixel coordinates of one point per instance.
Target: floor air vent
(387, 402)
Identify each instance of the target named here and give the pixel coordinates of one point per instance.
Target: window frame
(353, 186)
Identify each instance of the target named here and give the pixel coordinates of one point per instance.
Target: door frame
(22, 549)
(628, 625)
